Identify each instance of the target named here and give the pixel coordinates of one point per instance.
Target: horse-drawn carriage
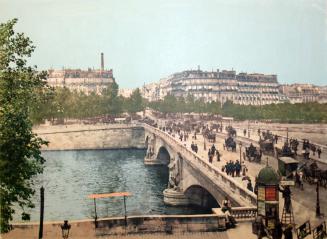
(267, 146)
(209, 135)
(216, 127)
(230, 144)
(231, 131)
(294, 143)
(267, 135)
(312, 172)
(252, 154)
(286, 151)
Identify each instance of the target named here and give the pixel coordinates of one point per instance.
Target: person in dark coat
(288, 234)
(232, 168)
(218, 155)
(213, 150)
(249, 186)
(278, 232)
(238, 168)
(319, 152)
(276, 138)
(287, 198)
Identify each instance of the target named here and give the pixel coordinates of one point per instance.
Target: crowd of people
(233, 168)
(194, 147)
(236, 169)
(213, 152)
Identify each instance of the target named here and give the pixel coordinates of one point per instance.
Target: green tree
(136, 103)
(20, 156)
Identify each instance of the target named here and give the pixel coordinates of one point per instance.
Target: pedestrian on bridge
(181, 137)
(228, 168)
(299, 179)
(227, 206)
(249, 186)
(244, 132)
(232, 168)
(238, 168)
(244, 169)
(319, 152)
(213, 150)
(218, 155)
(276, 138)
(313, 149)
(210, 156)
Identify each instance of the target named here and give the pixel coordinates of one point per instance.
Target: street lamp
(317, 202)
(240, 144)
(65, 229)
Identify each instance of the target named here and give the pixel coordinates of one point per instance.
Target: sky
(146, 40)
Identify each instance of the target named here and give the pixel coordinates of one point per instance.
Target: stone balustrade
(231, 187)
(244, 213)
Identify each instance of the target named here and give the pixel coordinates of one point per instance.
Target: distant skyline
(146, 40)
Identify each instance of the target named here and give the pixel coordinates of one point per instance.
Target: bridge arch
(163, 155)
(199, 196)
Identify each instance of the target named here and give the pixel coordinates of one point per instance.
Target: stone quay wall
(79, 137)
(116, 226)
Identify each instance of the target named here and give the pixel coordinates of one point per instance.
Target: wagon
(286, 166)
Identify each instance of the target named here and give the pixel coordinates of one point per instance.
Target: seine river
(70, 176)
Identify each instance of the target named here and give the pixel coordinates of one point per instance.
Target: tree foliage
(21, 87)
(286, 112)
(65, 104)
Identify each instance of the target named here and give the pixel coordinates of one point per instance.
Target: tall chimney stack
(102, 62)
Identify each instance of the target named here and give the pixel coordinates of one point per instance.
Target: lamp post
(317, 202)
(65, 229)
(240, 144)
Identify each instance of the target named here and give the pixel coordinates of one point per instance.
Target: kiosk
(268, 199)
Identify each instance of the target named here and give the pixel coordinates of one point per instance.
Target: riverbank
(98, 136)
(155, 226)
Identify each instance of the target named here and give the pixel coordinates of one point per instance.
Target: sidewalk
(303, 201)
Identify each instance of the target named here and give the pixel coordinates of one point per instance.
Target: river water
(70, 176)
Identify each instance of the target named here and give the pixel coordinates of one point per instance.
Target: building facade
(219, 86)
(303, 93)
(85, 81)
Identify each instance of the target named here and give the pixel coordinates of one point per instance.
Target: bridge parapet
(234, 189)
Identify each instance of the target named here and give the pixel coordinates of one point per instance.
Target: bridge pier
(175, 198)
(155, 155)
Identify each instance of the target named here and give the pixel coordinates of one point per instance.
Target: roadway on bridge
(303, 202)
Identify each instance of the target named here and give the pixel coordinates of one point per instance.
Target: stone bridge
(192, 179)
